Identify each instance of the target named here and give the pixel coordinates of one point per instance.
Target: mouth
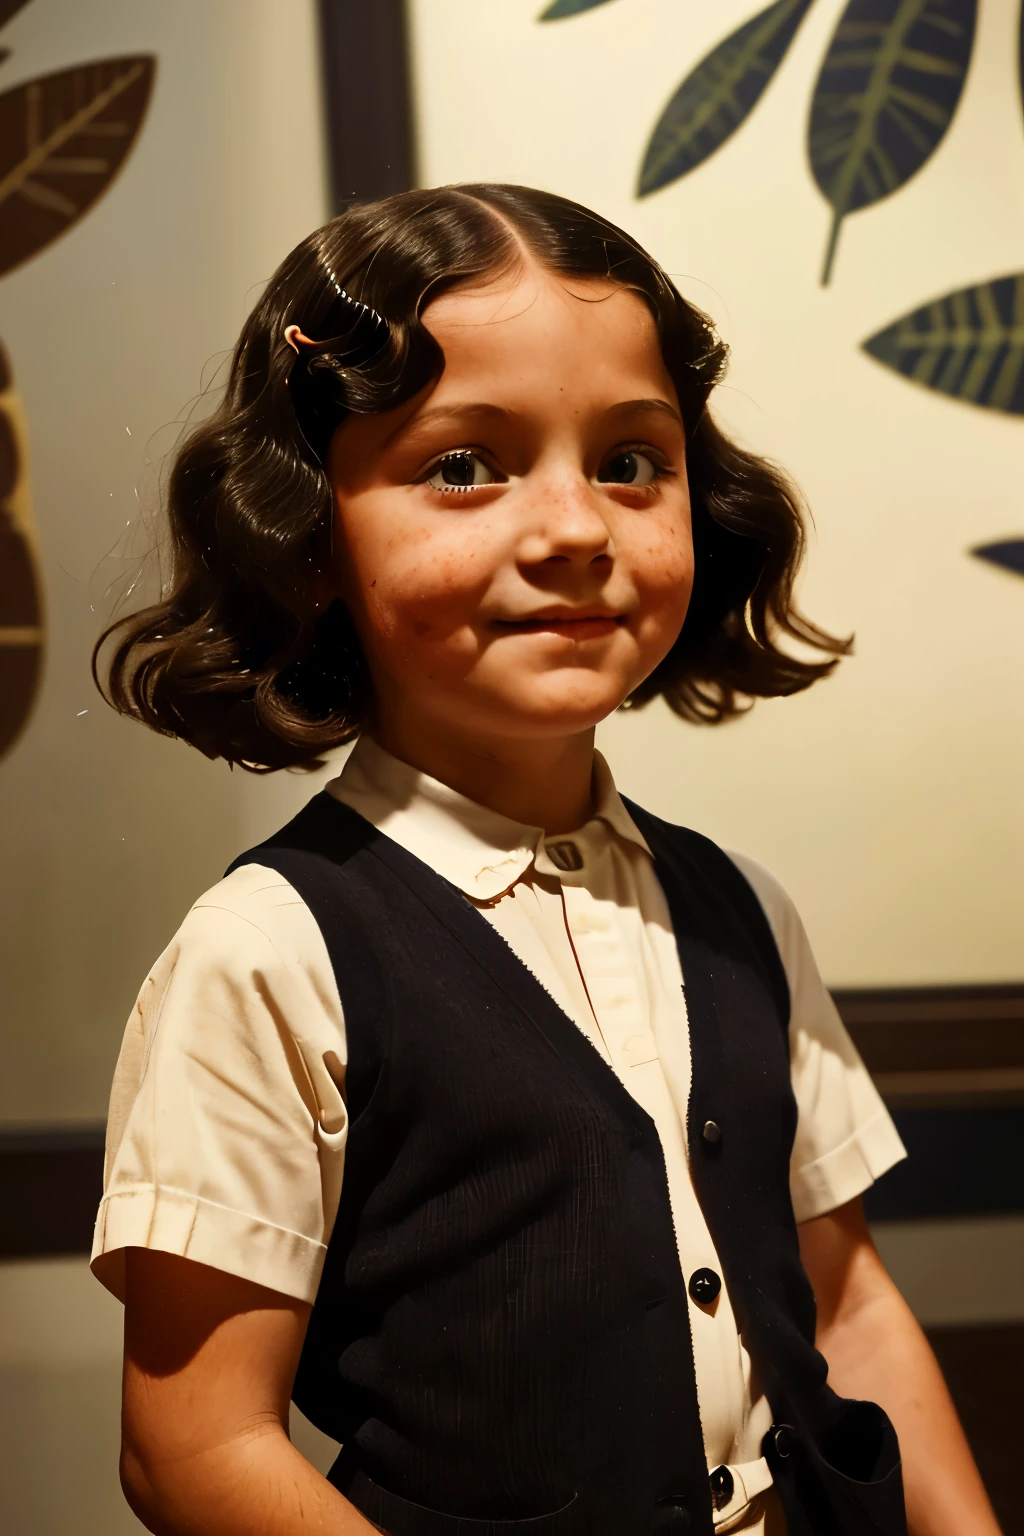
(571, 623)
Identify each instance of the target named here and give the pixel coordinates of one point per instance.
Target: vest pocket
(396, 1516)
(857, 1469)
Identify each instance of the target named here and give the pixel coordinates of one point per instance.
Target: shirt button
(564, 855)
(671, 1517)
(711, 1133)
(720, 1481)
(704, 1286)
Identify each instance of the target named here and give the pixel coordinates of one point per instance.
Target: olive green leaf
(560, 8)
(968, 345)
(1007, 553)
(63, 139)
(887, 91)
(719, 94)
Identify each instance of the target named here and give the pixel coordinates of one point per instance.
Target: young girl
(504, 1126)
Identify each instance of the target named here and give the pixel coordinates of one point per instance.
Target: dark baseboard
(940, 1047)
(51, 1180)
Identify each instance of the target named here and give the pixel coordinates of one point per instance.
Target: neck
(544, 783)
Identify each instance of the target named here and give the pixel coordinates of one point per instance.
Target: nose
(567, 523)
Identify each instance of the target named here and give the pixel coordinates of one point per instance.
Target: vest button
(722, 1487)
(704, 1286)
(785, 1440)
(671, 1517)
(711, 1133)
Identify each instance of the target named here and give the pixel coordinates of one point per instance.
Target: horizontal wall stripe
(948, 1060)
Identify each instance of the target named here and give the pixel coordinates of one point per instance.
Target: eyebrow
(642, 407)
(481, 410)
(442, 413)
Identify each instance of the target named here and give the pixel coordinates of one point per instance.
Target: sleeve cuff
(173, 1221)
(848, 1170)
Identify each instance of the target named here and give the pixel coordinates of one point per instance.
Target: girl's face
(514, 543)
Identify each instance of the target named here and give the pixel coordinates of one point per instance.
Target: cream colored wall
(60, 1404)
(108, 834)
(888, 800)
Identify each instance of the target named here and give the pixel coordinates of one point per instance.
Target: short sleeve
(227, 1126)
(845, 1137)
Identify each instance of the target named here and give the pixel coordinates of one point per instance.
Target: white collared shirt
(228, 1125)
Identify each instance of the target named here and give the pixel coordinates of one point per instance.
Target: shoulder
(259, 909)
(776, 903)
(248, 941)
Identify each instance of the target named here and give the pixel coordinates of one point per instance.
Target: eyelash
(460, 453)
(662, 471)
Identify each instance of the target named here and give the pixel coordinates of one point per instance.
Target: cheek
(663, 565)
(405, 579)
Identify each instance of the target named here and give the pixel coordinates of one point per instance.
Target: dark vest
(501, 1335)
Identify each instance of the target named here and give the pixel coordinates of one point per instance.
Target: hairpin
(356, 334)
(362, 335)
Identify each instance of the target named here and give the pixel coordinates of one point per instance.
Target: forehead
(531, 325)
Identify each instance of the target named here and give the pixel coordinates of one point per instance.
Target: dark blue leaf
(968, 345)
(719, 94)
(561, 8)
(887, 91)
(1009, 553)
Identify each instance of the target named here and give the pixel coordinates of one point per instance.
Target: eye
(628, 466)
(460, 471)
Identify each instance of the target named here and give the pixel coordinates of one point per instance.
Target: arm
(208, 1367)
(876, 1350)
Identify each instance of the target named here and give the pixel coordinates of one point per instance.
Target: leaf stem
(830, 253)
(40, 153)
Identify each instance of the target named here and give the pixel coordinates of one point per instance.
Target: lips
(573, 623)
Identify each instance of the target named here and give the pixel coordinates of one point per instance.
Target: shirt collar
(480, 851)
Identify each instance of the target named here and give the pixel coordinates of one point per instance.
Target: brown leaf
(9, 8)
(21, 608)
(21, 668)
(63, 139)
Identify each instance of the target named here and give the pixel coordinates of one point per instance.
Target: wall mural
(63, 139)
(886, 93)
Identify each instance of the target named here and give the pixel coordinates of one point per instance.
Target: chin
(560, 712)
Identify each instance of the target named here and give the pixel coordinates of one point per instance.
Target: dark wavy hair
(236, 659)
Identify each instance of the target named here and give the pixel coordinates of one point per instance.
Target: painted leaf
(1007, 553)
(63, 139)
(968, 345)
(887, 91)
(21, 631)
(560, 8)
(719, 94)
(9, 8)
